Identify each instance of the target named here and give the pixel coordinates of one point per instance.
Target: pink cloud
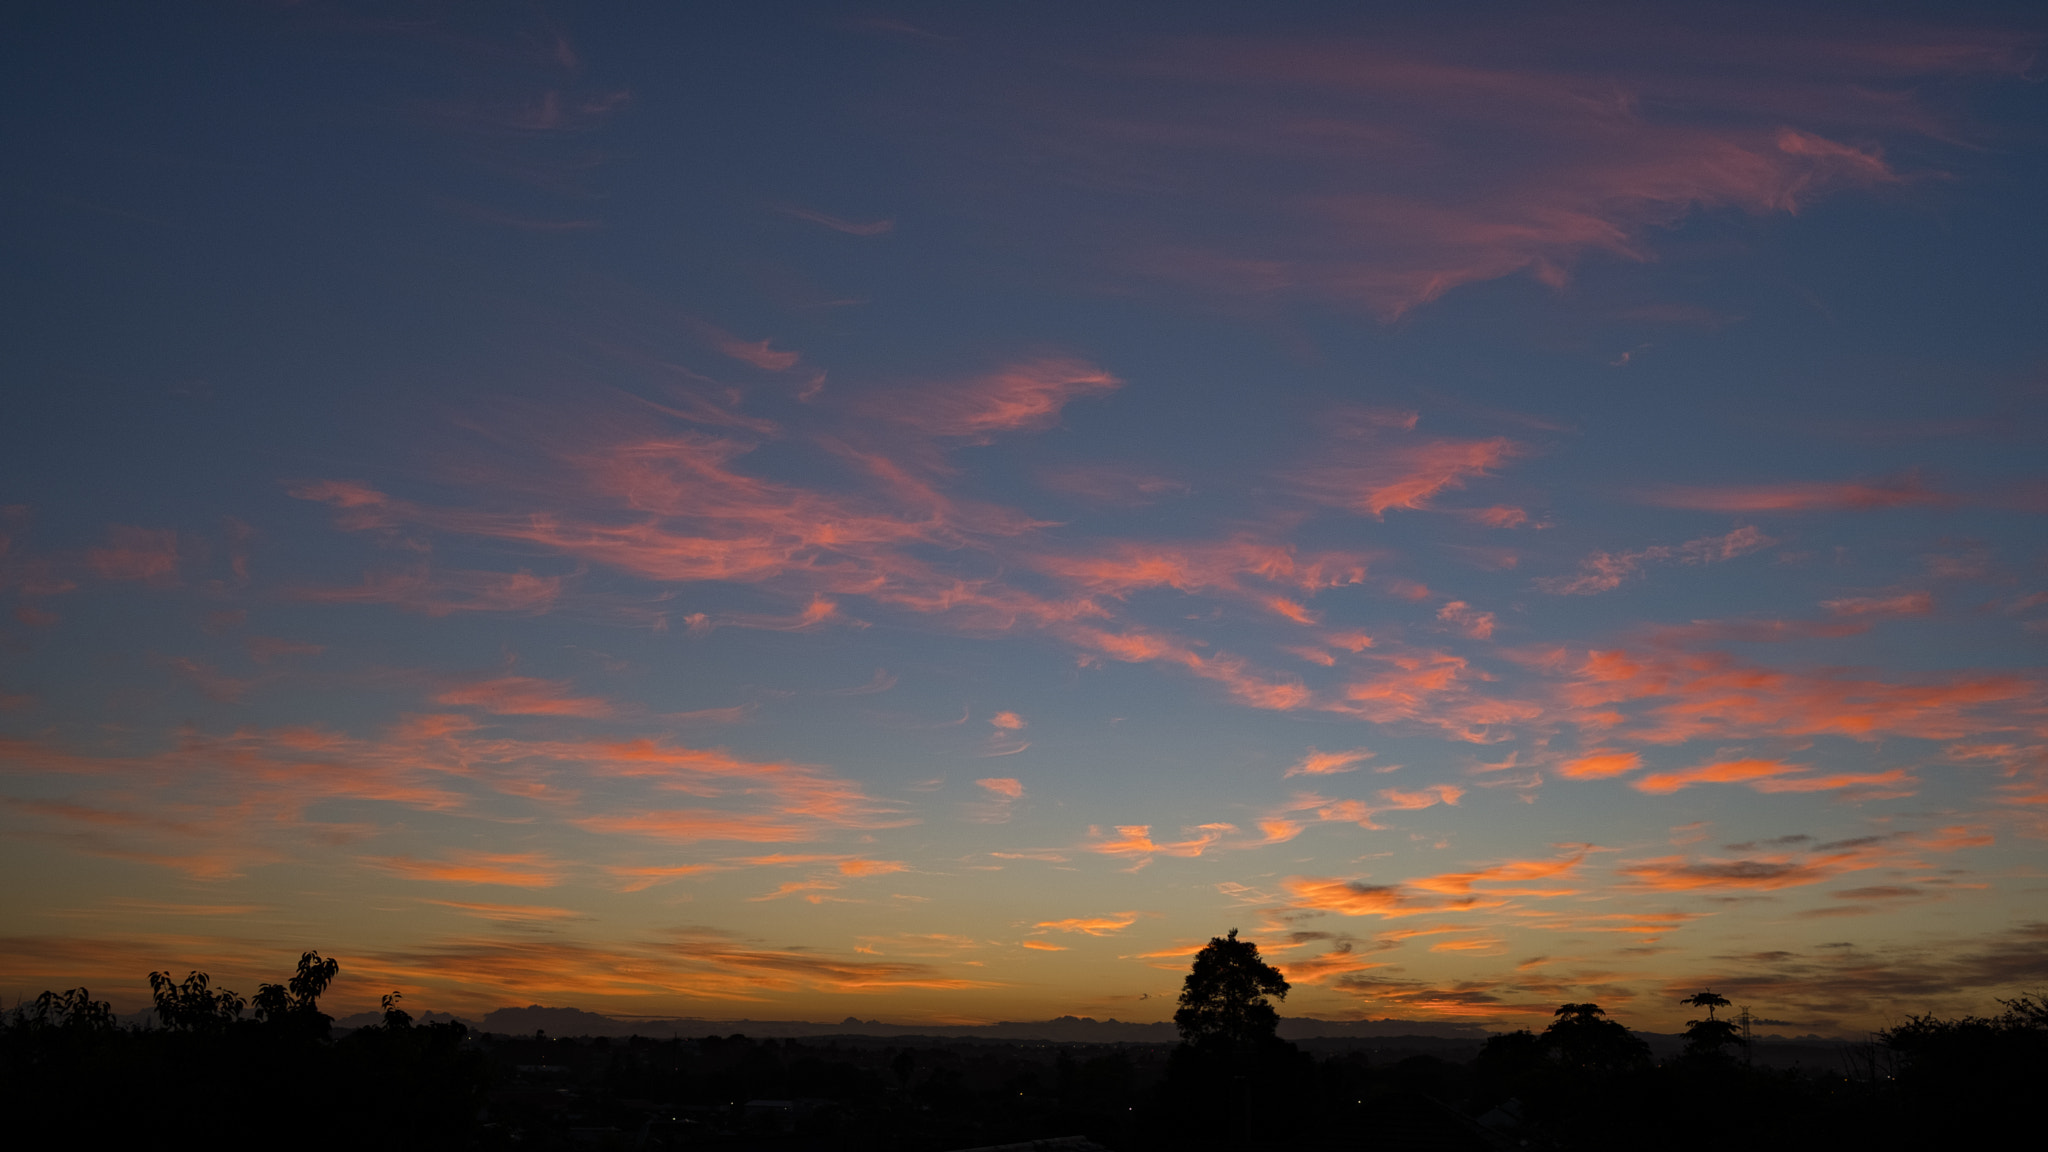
(523, 696)
(1904, 491)
(1111, 485)
(1606, 571)
(1379, 476)
(1324, 763)
(147, 554)
(1908, 604)
(1021, 397)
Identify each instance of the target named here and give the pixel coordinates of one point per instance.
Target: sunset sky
(929, 511)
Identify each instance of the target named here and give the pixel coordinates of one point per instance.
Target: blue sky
(796, 511)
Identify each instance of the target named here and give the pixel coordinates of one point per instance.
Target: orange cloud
(524, 696)
(1511, 872)
(1043, 946)
(1600, 764)
(1355, 898)
(688, 825)
(1722, 772)
(1402, 475)
(1007, 721)
(1675, 696)
(641, 879)
(1431, 689)
(515, 869)
(696, 965)
(1325, 763)
(1359, 812)
(1136, 840)
(1092, 925)
(812, 890)
(859, 867)
(511, 913)
(1316, 969)
(1003, 786)
(1869, 785)
(1472, 622)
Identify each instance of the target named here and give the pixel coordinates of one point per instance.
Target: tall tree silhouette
(1707, 1039)
(1223, 1003)
(1231, 1062)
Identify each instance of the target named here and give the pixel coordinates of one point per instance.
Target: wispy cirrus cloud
(1026, 396)
(1372, 467)
(1772, 871)
(130, 553)
(1324, 763)
(1606, 571)
(838, 224)
(1382, 173)
(512, 869)
(1907, 490)
(1091, 925)
(523, 696)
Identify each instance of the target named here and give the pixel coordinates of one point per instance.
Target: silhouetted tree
(193, 1006)
(1585, 1042)
(295, 1004)
(73, 1011)
(394, 1016)
(1223, 1003)
(1231, 1061)
(1707, 1039)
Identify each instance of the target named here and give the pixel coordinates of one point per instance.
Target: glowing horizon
(799, 514)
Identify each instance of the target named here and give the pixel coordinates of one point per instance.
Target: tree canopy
(1223, 1001)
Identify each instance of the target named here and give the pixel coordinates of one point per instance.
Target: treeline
(208, 1073)
(230, 1073)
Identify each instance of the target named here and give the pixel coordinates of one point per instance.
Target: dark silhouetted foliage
(210, 1075)
(1588, 1042)
(1710, 1039)
(207, 1077)
(1223, 1001)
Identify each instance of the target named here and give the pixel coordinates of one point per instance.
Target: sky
(930, 512)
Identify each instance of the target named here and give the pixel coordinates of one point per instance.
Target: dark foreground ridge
(209, 1068)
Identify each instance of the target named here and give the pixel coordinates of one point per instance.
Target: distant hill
(1078, 1029)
